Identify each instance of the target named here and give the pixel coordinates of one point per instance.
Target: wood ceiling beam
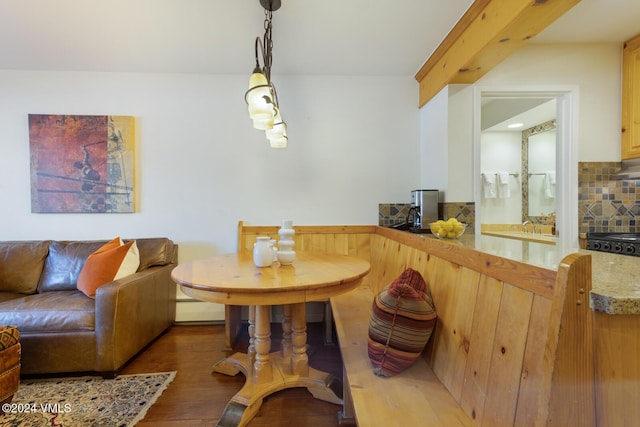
(488, 32)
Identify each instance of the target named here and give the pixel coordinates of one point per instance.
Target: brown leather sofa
(63, 330)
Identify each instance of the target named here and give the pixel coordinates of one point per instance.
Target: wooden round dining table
(234, 279)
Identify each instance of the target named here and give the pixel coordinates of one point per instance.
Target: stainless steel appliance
(620, 243)
(424, 204)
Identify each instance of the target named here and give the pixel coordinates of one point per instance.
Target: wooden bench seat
(414, 397)
(512, 346)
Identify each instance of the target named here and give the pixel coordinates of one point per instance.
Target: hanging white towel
(489, 185)
(504, 188)
(549, 184)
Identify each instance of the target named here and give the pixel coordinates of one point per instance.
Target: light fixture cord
(267, 44)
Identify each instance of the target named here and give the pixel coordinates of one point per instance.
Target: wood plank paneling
(454, 291)
(507, 356)
(617, 345)
(476, 374)
(573, 399)
(535, 379)
(528, 277)
(523, 376)
(336, 239)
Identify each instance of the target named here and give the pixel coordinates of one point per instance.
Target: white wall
(446, 159)
(502, 151)
(201, 167)
(434, 149)
(461, 169)
(597, 71)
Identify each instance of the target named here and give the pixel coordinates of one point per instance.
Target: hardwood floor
(197, 396)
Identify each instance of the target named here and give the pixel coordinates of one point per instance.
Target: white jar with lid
(263, 251)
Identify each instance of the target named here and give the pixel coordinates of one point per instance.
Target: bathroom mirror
(539, 168)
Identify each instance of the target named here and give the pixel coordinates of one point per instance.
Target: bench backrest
(336, 239)
(513, 342)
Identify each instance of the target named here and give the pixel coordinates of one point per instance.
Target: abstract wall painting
(81, 164)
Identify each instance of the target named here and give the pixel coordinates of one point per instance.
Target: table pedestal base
(245, 404)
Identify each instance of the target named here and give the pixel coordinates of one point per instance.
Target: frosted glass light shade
(262, 117)
(260, 102)
(258, 87)
(278, 135)
(279, 143)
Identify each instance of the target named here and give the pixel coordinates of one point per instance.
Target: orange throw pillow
(112, 261)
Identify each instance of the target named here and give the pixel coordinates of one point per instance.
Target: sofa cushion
(7, 296)
(21, 265)
(402, 319)
(112, 261)
(64, 263)
(63, 311)
(154, 251)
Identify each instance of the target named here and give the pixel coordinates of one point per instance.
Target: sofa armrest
(131, 312)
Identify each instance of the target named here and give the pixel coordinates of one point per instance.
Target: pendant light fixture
(261, 97)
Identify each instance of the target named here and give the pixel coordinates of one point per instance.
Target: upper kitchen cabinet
(631, 99)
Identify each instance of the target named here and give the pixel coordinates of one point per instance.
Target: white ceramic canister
(263, 251)
(286, 254)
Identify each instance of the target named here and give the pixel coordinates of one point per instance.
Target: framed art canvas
(81, 164)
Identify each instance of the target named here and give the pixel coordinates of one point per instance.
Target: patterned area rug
(86, 401)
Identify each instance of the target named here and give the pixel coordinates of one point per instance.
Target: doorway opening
(566, 159)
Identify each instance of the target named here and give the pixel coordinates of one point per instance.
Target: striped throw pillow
(401, 323)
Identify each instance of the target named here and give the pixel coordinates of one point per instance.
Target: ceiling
(338, 37)
(499, 113)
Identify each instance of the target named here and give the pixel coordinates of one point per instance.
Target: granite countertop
(615, 283)
(615, 287)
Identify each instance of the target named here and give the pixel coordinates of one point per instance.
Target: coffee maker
(424, 206)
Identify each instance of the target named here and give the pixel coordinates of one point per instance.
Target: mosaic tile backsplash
(396, 213)
(462, 211)
(605, 203)
(392, 213)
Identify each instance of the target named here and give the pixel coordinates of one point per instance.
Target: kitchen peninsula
(615, 279)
